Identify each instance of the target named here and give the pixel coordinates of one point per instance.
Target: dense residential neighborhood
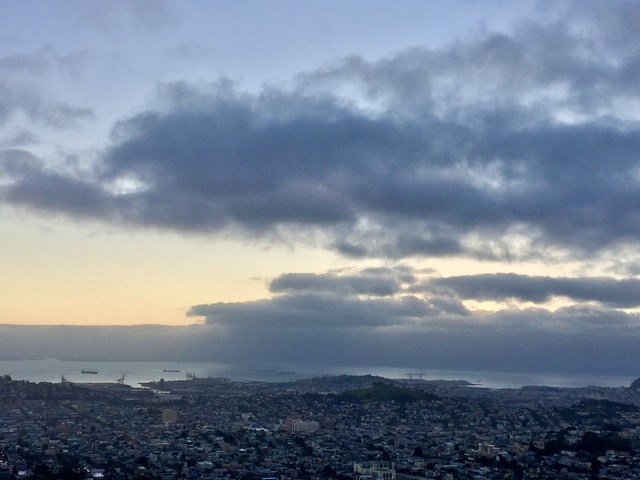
(342, 427)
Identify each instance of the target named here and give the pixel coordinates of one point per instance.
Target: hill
(380, 391)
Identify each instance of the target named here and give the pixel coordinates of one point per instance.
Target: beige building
(375, 470)
(297, 425)
(169, 416)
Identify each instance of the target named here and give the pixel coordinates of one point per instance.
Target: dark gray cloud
(311, 311)
(17, 98)
(358, 285)
(624, 293)
(349, 299)
(32, 183)
(424, 322)
(338, 327)
(514, 341)
(378, 299)
(501, 146)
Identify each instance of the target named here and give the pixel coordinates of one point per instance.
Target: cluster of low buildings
(223, 430)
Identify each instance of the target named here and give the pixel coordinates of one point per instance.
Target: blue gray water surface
(135, 373)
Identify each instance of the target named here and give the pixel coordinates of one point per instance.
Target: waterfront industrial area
(334, 427)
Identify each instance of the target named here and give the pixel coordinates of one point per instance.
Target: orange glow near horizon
(71, 274)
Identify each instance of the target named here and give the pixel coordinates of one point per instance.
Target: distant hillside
(380, 391)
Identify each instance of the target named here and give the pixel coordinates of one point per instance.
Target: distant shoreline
(138, 371)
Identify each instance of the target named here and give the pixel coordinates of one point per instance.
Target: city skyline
(372, 181)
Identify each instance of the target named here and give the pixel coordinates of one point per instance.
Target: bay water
(136, 373)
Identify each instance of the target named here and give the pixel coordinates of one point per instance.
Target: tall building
(296, 425)
(169, 416)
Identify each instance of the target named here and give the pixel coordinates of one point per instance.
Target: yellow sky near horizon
(97, 275)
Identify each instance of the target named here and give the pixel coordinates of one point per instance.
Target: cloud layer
(390, 316)
(510, 146)
(499, 146)
(404, 317)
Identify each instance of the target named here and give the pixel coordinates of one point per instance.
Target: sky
(420, 183)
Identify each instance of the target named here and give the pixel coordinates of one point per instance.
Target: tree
(328, 471)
